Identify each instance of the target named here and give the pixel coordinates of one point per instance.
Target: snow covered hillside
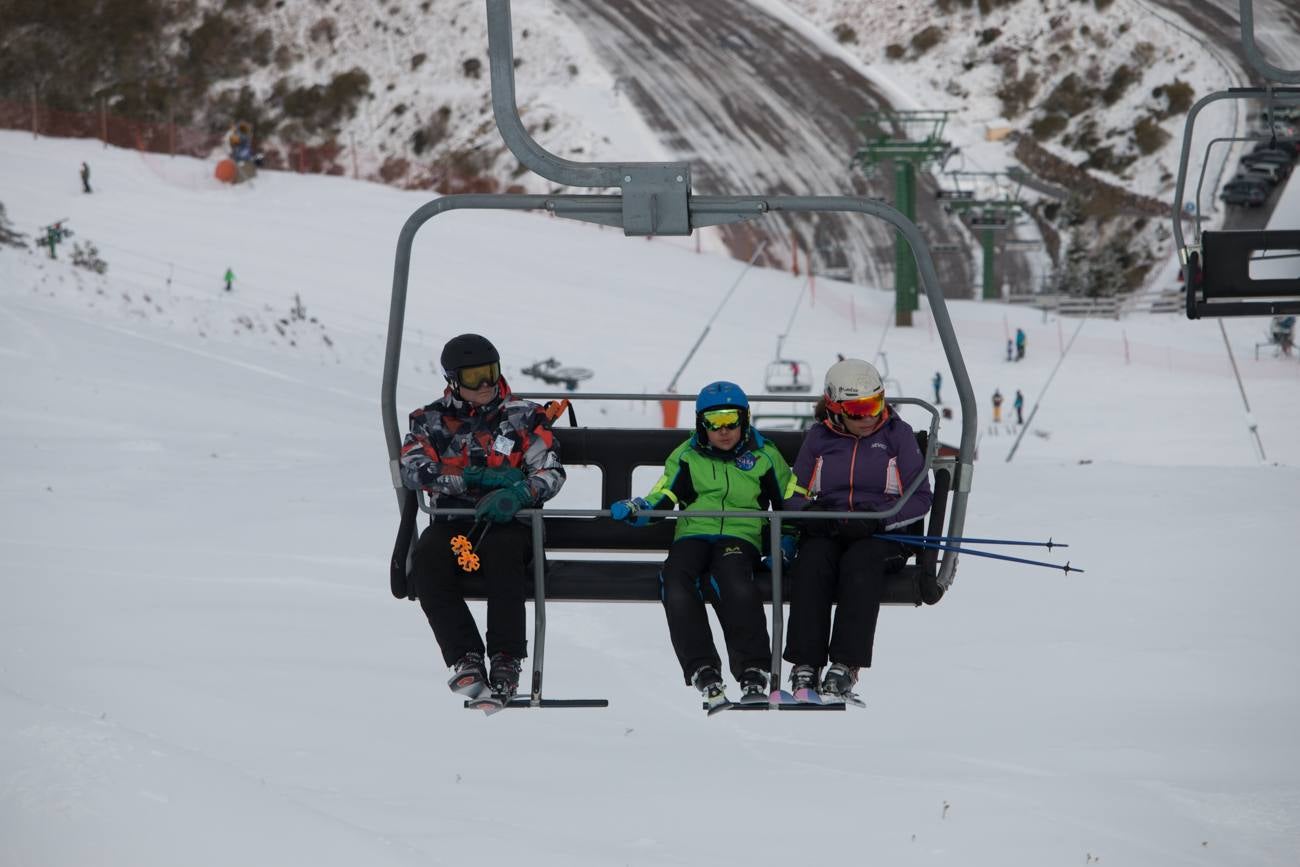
(200, 662)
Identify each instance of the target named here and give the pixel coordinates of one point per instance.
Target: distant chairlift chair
(1224, 270)
(788, 376)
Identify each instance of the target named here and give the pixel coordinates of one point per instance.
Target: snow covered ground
(200, 662)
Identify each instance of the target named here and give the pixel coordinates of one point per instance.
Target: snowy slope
(200, 662)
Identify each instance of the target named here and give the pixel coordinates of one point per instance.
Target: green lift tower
(912, 140)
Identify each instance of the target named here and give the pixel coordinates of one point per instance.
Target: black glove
(859, 528)
(824, 527)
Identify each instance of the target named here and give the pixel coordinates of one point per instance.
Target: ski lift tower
(987, 216)
(920, 144)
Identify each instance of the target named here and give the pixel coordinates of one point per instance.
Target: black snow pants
(721, 572)
(851, 572)
(503, 557)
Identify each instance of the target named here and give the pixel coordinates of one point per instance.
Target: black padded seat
(618, 452)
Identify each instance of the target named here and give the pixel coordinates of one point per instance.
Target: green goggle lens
(720, 419)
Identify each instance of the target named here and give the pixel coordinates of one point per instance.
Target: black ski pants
(720, 571)
(831, 569)
(503, 558)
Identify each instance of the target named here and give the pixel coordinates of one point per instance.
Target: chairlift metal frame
(654, 199)
(1216, 265)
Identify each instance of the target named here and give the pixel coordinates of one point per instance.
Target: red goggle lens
(858, 407)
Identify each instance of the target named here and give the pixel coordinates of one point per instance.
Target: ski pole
(957, 550)
(905, 537)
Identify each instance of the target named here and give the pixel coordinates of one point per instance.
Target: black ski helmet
(467, 350)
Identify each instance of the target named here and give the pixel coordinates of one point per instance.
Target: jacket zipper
(853, 462)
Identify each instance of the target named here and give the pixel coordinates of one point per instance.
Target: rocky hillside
(402, 83)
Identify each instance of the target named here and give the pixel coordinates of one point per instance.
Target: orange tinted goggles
(858, 407)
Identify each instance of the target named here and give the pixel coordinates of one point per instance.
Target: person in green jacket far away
(724, 465)
(230, 278)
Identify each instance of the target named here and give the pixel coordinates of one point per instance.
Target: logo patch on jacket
(746, 461)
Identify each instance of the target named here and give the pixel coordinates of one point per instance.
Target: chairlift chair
(655, 199)
(1217, 270)
(787, 375)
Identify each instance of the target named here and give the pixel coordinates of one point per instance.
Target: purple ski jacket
(861, 474)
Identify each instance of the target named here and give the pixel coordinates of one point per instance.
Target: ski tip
(780, 696)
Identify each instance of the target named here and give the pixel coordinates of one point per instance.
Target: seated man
(478, 447)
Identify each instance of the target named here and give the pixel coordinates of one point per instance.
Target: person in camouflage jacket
(478, 447)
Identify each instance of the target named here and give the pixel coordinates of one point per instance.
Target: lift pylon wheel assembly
(987, 217)
(1240, 272)
(654, 198)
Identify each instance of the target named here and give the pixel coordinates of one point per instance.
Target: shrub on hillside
(322, 107)
(8, 236)
(1048, 126)
(927, 39)
(87, 256)
(1071, 97)
(433, 132)
(1178, 97)
(324, 30)
(1149, 136)
(472, 68)
(1121, 80)
(844, 34)
(1016, 93)
(1105, 159)
(894, 51)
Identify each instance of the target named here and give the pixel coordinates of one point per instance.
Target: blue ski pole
(958, 550)
(901, 537)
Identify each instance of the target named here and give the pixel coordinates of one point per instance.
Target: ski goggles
(477, 376)
(720, 419)
(858, 407)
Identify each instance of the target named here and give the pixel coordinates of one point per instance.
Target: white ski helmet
(852, 378)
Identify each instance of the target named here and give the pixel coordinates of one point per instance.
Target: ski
(754, 698)
(488, 703)
(715, 700)
(470, 683)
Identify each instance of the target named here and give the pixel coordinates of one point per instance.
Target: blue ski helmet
(718, 395)
(721, 393)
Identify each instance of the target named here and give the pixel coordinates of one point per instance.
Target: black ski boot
(803, 684)
(470, 678)
(504, 676)
(838, 684)
(709, 682)
(753, 686)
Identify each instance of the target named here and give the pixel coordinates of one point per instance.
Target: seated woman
(860, 458)
(725, 464)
